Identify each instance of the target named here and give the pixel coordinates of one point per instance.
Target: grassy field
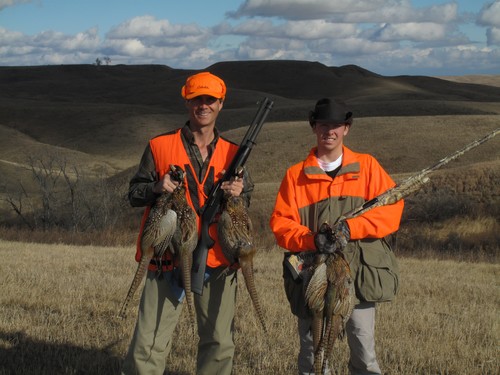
(59, 305)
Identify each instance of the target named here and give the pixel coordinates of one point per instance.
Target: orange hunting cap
(204, 83)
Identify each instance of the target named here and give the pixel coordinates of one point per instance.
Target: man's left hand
(330, 239)
(233, 186)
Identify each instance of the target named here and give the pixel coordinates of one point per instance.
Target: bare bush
(67, 197)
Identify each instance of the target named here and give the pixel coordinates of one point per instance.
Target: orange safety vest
(168, 150)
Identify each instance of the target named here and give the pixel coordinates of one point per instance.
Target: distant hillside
(482, 79)
(81, 106)
(294, 84)
(102, 116)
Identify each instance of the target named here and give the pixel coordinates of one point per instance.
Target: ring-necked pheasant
(330, 296)
(157, 233)
(236, 240)
(183, 244)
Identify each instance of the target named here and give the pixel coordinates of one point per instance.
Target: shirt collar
(188, 134)
(349, 163)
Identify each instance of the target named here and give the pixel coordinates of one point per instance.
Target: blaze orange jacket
(167, 150)
(308, 197)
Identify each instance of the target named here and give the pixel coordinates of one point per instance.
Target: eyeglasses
(203, 99)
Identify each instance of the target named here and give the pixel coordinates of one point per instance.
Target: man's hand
(234, 186)
(169, 182)
(330, 239)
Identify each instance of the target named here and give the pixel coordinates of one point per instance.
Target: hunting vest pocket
(377, 277)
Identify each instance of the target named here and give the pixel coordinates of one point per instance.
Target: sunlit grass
(59, 304)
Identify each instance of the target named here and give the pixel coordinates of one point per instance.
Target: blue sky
(389, 37)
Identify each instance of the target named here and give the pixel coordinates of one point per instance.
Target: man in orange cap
(199, 149)
(329, 183)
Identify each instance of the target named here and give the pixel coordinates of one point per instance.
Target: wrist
(157, 188)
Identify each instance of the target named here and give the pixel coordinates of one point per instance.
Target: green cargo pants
(159, 312)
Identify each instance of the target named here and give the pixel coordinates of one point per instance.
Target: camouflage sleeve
(248, 187)
(140, 192)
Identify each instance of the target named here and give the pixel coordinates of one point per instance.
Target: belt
(166, 264)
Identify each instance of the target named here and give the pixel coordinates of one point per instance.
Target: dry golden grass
(59, 304)
(479, 79)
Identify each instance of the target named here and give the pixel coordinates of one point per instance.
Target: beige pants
(360, 331)
(159, 312)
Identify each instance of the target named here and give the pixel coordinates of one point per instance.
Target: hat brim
(204, 92)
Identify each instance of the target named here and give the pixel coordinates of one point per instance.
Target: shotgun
(414, 183)
(214, 200)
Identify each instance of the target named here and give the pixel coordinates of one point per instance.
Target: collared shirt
(194, 153)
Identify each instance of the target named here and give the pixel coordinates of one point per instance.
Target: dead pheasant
(184, 242)
(330, 296)
(157, 233)
(236, 240)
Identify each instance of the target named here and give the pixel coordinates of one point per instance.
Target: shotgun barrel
(214, 200)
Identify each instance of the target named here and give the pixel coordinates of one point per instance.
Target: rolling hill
(102, 116)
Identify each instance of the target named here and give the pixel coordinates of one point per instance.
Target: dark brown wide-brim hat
(332, 111)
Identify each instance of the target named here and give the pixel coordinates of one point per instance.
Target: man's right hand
(167, 184)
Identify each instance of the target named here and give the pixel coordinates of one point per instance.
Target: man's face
(330, 136)
(203, 110)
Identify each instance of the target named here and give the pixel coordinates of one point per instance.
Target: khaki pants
(159, 312)
(360, 331)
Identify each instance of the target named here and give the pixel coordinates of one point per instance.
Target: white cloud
(461, 57)
(250, 27)
(48, 47)
(402, 12)
(423, 31)
(274, 44)
(304, 9)
(55, 58)
(490, 15)
(428, 61)
(151, 30)
(8, 3)
(317, 29)
(130, 47)
(349, 47)
(369, 11)
(202, 54)
(84, 41)
(134, 47)
(87, 41)
(301, 30)
(493, 35)
(11, 38)
(246, 52)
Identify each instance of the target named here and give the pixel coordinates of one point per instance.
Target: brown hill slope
(483, 79)
(86, 107)
(156, 88)
(102, 116)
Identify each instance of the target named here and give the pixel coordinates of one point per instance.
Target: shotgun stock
(214, 200)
